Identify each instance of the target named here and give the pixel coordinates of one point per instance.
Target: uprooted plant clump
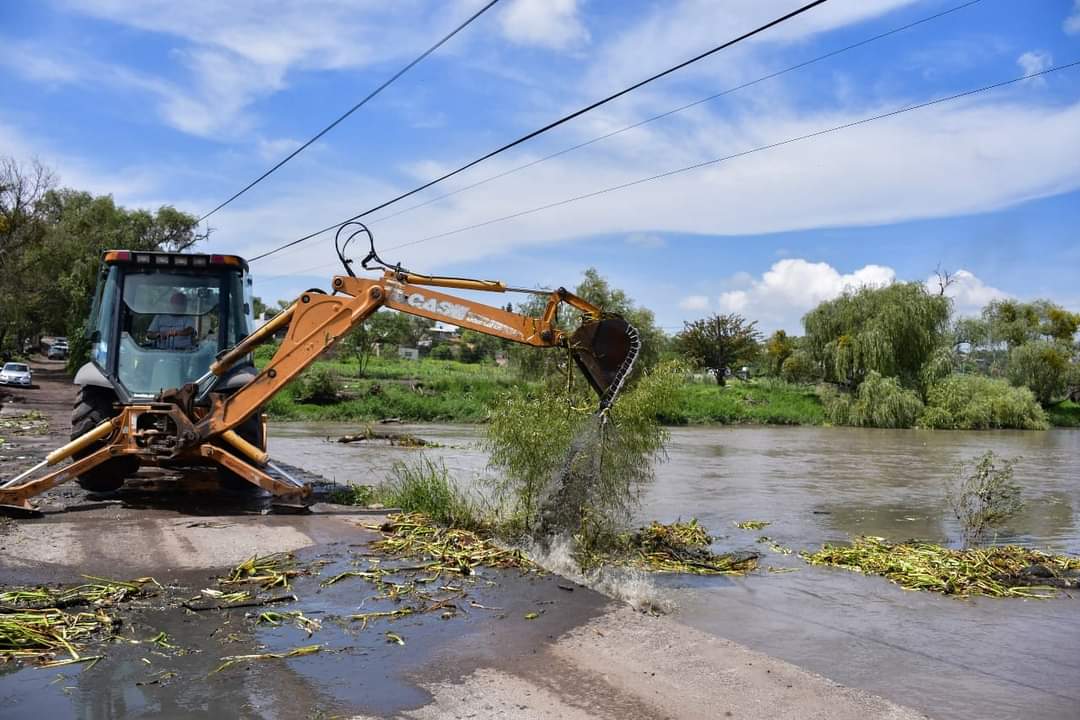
(566, 471)
(680, 547)
(1002, 571)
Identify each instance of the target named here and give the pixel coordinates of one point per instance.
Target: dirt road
(522, 645)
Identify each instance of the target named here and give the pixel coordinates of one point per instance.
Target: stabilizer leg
(19, 495)
(254, 475)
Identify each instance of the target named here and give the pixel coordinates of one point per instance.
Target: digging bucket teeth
(606, 350)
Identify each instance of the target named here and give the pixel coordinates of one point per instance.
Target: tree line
(51, 240)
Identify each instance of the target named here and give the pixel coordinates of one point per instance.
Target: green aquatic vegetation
(1002, 571)
(752, 524)
(230, 660)
(268, 571)
(681, 547)
(563, 469)
(451, 549)
(36, 625)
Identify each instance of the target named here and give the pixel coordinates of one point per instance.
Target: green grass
(423, 391)
(763, 402)
(1064, 414)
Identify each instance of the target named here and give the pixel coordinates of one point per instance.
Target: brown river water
(984, 658)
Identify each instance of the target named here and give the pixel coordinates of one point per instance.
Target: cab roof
(167, 259)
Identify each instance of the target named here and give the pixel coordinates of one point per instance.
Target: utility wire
(674, 111)
(718, 160)
(356, 107)
(760, 148)
(550, 126)
(654, 118)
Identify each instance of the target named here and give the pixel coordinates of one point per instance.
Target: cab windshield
(171, 327)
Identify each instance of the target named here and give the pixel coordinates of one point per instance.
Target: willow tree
(892, 330)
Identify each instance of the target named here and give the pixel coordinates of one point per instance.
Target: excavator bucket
(606, 350)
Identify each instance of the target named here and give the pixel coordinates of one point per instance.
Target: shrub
(318, 386)
(1043, 367)
(442, 352)
(556, 456)
(799, 367)
(974, 402)
(983, 495)
(879, 402)
(425, 487)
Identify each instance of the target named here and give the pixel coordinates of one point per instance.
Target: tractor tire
(93, 406)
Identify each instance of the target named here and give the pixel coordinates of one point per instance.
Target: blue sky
(173, 103)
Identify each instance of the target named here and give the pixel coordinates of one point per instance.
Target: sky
(164, 103)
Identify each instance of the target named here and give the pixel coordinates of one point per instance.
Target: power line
(550, 126)
(760, 148)
(718, 160)
(355, 107)
(674, 111)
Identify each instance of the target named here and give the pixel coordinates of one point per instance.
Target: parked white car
(14, 373)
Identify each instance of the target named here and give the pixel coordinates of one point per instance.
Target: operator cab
(159, 319)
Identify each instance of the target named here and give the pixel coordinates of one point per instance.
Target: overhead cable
(751, 151)
(550, 126)
(669, 113)
(355, 107)
(718, 160)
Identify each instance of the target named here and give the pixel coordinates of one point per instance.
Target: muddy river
(949, 658)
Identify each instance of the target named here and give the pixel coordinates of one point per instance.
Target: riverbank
(454, 392)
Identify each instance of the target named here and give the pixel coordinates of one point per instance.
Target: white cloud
(648, 241)
(1072, 22)
(791, 287)
(695, 302)
(1035, 61)
(28, 62)
(237, 53)
(554, 24)
(969, 294)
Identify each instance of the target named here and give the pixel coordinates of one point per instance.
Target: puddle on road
(357, 670)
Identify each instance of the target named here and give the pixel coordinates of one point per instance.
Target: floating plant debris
(1004, 571)
(752, 524)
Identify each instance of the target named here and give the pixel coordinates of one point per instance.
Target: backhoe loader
(171, 384)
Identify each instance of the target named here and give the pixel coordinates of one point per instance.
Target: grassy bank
(1064, 414)
(760, 402)
(450, 391)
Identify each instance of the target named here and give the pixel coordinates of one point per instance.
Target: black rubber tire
(94, 405)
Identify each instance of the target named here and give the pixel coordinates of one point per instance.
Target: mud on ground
(517, 644)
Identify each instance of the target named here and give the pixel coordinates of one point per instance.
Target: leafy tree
(800, 367)
(598, 291)
(385, 327)
(778, 348)
(534, 362)
(478, 347)
(1015, 323)
(892, 331)
(718, 342)
(1043, 366)
(258, 307)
